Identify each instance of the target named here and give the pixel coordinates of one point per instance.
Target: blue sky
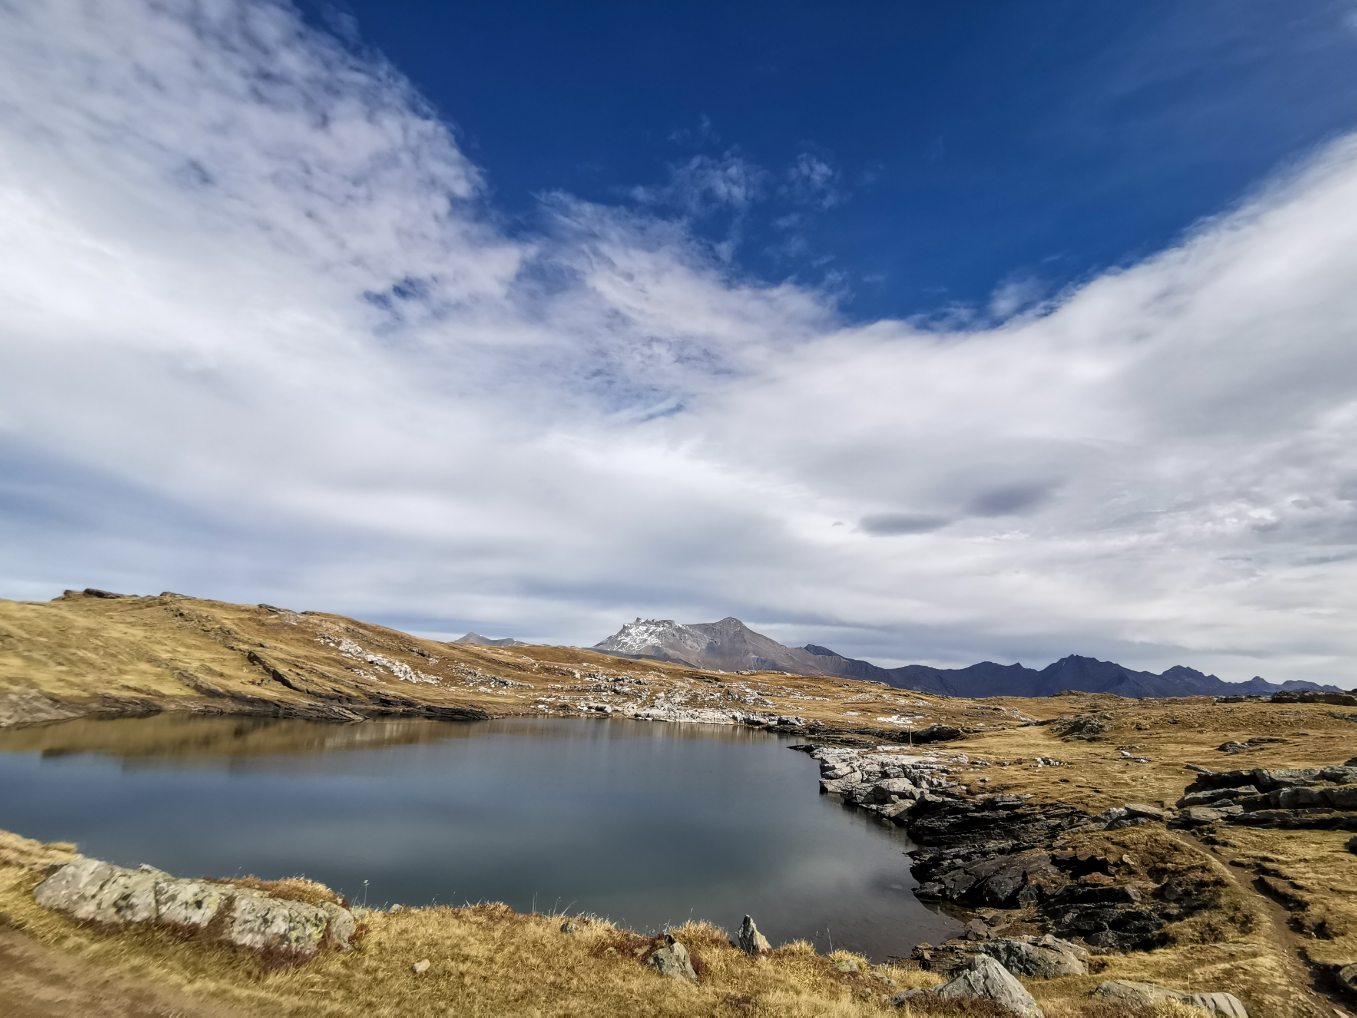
(908, 156)
(926, 332)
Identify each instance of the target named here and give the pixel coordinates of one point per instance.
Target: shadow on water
(648, 824)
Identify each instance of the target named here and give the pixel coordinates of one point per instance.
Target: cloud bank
(263, 337)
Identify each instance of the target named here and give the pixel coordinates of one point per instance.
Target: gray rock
(985, 978)
(750, 940)
(1347, 979)
(257, 921)
(672, 960)
(420, 967)
(1226, 1005)
(189, 903)
(342, 923)
(1041, 958)
(1217, 795)
(99, 892)
(568, 927)
(1140, 809)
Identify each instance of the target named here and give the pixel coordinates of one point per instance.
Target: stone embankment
(99, 892)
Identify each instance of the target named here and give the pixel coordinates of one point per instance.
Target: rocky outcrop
(982, 978)
(99, 892)
(1310, 797)
(750, 940)
(1225, 1005)
(1338, 699)
(1038, 957)
(673, 961)
(887, 782)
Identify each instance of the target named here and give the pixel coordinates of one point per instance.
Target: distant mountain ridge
(730, 645)
(477, 640)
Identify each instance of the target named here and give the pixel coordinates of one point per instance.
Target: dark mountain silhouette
(730, 645)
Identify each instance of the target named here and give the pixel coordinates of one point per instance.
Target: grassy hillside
(1288, 914)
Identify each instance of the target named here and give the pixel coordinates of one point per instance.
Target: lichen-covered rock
(257, 921)
(1225, 1005)
(750, 940)
(673, 961)
(99, 892)
(190, 903)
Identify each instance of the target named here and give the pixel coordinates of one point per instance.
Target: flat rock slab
(95, 891)
(1225, 1005)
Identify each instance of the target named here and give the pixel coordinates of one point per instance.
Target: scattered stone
(568, 927)
(398, 907)
(420, 967)
(848, 965)
(1352, 845)
(750, 940)
(1225, 1005)
(984, 978)
(1231, 747)
(672, 960)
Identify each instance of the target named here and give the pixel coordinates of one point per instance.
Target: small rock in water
(672, 960)
(420, 967)
(750, 940)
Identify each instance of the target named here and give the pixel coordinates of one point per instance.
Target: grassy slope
(79, 654)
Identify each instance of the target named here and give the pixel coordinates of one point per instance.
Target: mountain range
(730, 645)
(477, 640)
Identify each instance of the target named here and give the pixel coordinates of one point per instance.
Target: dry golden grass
(487, 960)
(80, 655)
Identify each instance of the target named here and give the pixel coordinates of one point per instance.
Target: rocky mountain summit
(730, 645)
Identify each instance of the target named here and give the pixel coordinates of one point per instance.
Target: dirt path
(37, 981)
(1288, 943)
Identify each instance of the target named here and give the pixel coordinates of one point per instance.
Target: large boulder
(100, 892)
(983, 978)
(750, 940)
(189, 903)
(260, 922)
(673, 961)
(1225, 1005)
(1038, 957)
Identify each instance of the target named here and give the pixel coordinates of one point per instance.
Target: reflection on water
(645, 823)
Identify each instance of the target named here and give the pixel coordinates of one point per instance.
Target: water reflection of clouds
(646, 823)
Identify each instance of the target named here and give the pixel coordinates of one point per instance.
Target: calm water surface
(645, 823)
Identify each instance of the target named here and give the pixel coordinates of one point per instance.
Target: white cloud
(262, 339)
(813, 181)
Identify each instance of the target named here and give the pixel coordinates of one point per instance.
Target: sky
(931, 333)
